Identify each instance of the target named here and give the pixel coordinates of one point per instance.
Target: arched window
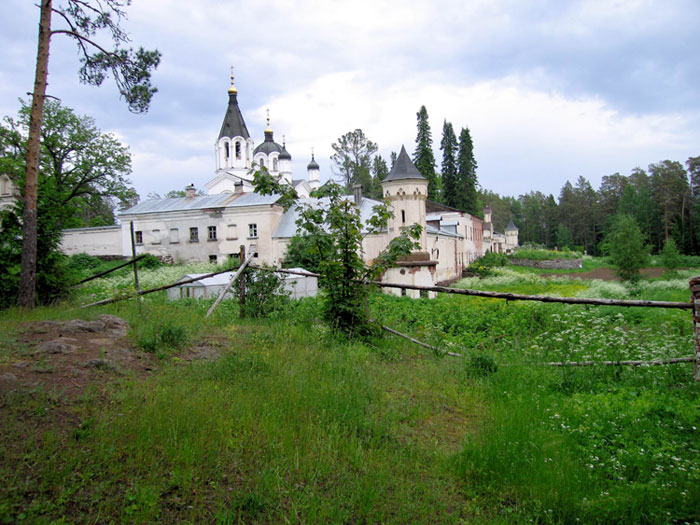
(274, 164)
(226, 149)
(261, 161)
(238, 150)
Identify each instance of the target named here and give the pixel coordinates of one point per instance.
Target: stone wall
(551, 264)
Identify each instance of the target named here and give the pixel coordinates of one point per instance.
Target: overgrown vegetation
(538, 254)
(292, 423)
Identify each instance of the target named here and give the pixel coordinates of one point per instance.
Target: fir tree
(450, 186)
(392, 159)
(379, 173)
(466, 174)
(423, 158)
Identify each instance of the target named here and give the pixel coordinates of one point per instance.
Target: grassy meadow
(293, 424)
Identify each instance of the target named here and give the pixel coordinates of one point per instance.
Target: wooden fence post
(695, 300)
(139, 299)
(241, 286)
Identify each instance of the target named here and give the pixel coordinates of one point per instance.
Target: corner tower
(406, 190)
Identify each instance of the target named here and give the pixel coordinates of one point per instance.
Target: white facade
(215, 226)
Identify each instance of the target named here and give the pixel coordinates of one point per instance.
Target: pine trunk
(27, 284)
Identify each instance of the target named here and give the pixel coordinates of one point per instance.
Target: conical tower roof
(403, 168)
(511, 225)
(234, 125)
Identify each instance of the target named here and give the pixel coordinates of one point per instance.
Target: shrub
(264, 293)
(627, 249)
(670, 257)
(483, 265)
(150, 262)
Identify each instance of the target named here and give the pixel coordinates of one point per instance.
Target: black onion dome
(269, 145)
(313, 165)
(285, 154)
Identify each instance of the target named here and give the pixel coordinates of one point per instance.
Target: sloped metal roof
(287, 226)
(430, 230)
(221, 200)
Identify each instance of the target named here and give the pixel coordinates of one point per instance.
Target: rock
(8, 382)
(43, 327)
(116, 325)
(57, 346)
(80, 325)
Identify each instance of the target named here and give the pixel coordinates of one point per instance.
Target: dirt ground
(608, 274)
(64, 357)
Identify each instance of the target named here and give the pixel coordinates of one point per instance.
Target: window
(238, 150)
(226, 149)
(138, 237)
(232, 232)
(274, 165)
(261, 162)
(403, 216)
(252, 230)
(194, 235)
(174, 235)
(212, 258)
(211, 233)
(156, 237)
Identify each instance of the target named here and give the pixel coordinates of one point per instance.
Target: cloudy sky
(550, 89)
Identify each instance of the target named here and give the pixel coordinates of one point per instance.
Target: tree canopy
(353, 159)
(82, 171)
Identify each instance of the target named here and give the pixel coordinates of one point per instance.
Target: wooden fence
(693, 304)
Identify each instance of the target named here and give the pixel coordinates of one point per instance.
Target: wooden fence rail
(101, 274)
(514, 296)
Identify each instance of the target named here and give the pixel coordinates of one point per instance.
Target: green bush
(264, 293)
(670, 257)
(483, 265)
(627, 249)
(150, 262)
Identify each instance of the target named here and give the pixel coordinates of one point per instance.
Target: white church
(214, 226)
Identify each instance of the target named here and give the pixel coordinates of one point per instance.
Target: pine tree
(448, 145)
(392, 159)
(466, 173)
(423, 158)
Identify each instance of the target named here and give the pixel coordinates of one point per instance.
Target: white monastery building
(214, 226)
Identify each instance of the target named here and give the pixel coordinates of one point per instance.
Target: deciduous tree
(353, 159)
(82, 171)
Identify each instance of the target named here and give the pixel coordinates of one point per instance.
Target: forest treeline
(664, 200)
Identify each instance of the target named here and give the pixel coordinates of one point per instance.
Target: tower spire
(268, 129)
(232, 90)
